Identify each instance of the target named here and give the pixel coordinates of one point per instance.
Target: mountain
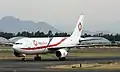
(12, 24)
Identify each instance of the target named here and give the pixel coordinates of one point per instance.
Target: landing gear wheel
(37, 58)
(62, 59)
(23, 59)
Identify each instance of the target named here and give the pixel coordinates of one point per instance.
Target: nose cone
(15, 47)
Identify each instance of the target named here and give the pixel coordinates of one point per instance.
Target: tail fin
(78, 29)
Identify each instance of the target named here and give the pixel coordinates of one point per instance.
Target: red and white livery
(59, 45)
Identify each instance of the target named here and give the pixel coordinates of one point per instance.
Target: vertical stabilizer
(78, 29)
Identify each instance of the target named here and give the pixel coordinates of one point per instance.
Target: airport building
(14, 39)
(3, 40)
(98, 40)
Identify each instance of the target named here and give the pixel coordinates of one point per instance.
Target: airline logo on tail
(79, 26)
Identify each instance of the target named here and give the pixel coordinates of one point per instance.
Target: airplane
(59, 45)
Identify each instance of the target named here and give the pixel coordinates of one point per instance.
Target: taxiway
(16, 65)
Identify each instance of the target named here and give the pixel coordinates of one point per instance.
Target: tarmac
(16, 65)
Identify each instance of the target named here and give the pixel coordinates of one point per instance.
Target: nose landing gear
(23, 59)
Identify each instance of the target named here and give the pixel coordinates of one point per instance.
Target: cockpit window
(18, 43)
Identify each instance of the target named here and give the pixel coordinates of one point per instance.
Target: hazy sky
(63, 14)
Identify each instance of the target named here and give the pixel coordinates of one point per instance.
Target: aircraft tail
(78, 29)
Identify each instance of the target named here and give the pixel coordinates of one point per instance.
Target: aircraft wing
(75, 46)
(72, 46)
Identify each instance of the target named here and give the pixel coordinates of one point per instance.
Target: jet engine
(61, 53)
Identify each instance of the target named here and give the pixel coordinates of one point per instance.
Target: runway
(16, 65)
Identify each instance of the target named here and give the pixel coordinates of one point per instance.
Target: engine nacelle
(18, 54)
(61, 53)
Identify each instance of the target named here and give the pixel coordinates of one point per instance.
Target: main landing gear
(37, 57)
(62, 59)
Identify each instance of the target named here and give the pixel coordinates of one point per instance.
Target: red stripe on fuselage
(44, 46)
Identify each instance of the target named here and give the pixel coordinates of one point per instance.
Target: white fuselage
(40, 45)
